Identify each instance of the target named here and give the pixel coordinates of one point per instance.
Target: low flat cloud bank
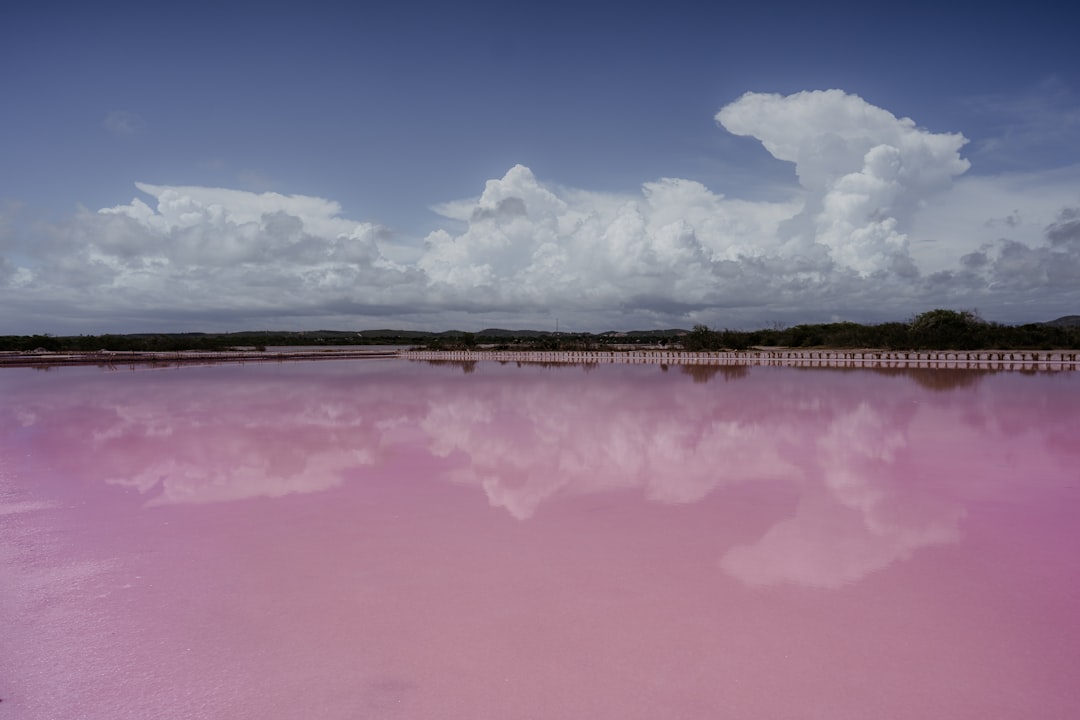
(883, 222)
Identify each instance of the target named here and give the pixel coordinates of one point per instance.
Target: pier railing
(981, 359)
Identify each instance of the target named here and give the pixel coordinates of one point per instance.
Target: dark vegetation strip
(933, 330)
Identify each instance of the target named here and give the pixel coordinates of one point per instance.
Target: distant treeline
(934, 330)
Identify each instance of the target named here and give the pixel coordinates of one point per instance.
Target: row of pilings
(977, 359)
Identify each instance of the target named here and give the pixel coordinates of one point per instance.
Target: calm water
(384, 539)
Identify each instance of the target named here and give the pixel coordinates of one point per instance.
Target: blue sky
(429, 165)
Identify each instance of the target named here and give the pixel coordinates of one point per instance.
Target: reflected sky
(639, 488)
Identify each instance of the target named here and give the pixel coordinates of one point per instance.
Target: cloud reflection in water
(866, 452)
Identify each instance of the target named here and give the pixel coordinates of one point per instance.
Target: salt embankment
(183, 357)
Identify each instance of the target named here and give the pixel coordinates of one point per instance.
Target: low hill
(1065, 321)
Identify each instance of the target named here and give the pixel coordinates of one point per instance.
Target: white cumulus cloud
(529, 243)
(212, 250)
(865, 170)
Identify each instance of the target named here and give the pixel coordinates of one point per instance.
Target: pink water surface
(384, 539)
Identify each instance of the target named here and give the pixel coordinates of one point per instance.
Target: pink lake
(386, 539)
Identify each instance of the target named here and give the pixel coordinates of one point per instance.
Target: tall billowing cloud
(865, 170)
(881, 222)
